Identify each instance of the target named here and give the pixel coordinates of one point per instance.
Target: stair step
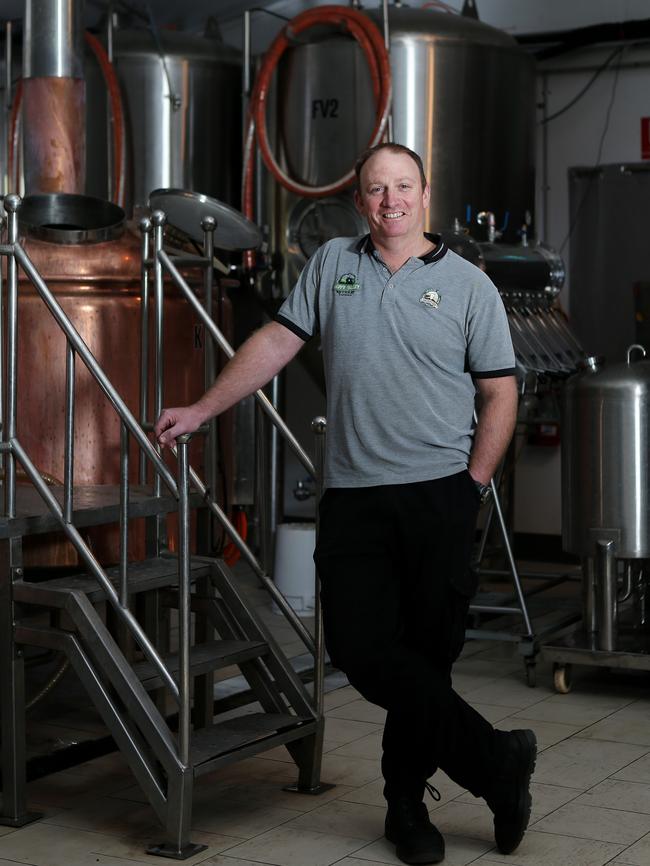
(148, 574)
(206, 657)
(94, 504)
(245, 735)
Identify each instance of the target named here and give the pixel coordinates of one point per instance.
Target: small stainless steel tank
(605, 441)
(182, 115)
(606, 491)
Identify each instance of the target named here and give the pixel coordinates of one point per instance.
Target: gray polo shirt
(401, 352)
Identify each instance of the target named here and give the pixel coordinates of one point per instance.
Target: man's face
(391, 197)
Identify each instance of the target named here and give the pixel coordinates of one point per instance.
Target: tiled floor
(591, 788)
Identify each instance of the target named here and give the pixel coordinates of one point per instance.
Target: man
(410, 331)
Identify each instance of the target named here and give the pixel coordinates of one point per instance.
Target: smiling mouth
(394, 215)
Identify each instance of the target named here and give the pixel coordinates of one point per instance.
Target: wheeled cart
(614, 631)
(606, 514)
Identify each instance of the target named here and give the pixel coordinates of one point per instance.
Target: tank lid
(65, 218)
(175, 44)
(405, 20)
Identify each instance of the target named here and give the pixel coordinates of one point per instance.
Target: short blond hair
(393, 148)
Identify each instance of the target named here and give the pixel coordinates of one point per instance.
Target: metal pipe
(384, 9)
(94, 567)
(93, 367)
(11, 203)
(261, 485)
(493, 608)
(223, 344)
(606, 580)
(110, 120)
(545, 155)
(246, 71)
(319, 428)
(68, 459)
(8, 100)
(209, 224)
(158, 220)
(184, 616)
(629, 582)
(9, 27)
(249, 556)
(589, 608)
(511, 559)
(54, 97)
(145, 229)
(53, 39)
(2, 361)
(275, 460)
(124, 515)
(484, 534)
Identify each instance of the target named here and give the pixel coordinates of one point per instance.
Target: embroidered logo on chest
(431, 299)
(347, 285)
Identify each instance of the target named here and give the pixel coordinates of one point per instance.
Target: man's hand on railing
(176, 422)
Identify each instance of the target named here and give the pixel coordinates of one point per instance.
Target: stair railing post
(209, 224)
(12, 680)
(145, 229)
(11, 203)
(124, 514)
(319, 428)
(184, 600)
(2, 341)
(68, 460)
(158, 219)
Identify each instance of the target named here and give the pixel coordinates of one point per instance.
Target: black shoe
(509, 796)
(408, 827)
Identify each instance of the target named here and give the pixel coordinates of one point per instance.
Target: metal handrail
(13, 449)
(91, 363)
(161, 261)
(225, 346)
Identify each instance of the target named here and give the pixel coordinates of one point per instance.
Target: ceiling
(516, 16)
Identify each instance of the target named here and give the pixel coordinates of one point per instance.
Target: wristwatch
(484, 491)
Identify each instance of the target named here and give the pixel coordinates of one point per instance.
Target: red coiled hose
(369, 38)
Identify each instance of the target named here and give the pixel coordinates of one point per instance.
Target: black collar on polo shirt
(434, 255)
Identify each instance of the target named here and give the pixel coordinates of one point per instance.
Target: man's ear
(426, 196)
(359, 202)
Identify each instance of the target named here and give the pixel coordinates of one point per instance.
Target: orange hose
(231, 553)
(115, 96)
(12, 154)
(369, 38)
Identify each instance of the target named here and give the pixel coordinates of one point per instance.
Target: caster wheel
(531, 674)
(562, 678)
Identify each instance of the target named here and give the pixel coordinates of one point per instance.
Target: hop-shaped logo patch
(431, 299)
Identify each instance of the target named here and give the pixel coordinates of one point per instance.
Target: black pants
(395, 588)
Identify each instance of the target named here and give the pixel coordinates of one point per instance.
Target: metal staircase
(156, 703)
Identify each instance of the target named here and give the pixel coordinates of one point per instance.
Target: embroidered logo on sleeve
(347, 285)
(431, 299)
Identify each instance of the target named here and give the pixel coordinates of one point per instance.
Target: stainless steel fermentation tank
(182, 116)
(463, 98)
(606, 492)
